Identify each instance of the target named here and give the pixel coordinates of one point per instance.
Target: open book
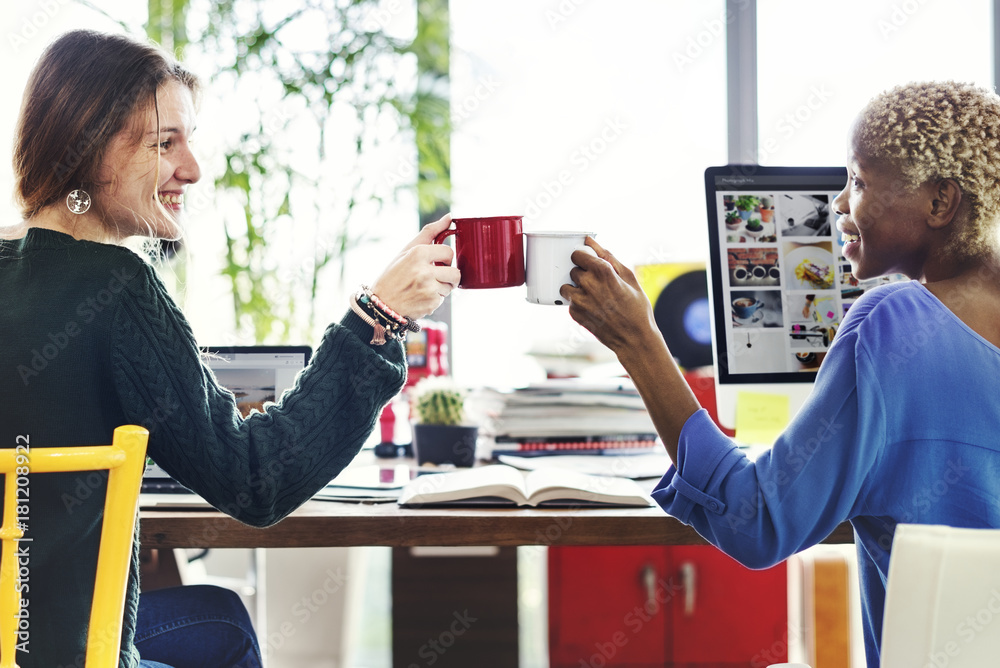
(499, 484)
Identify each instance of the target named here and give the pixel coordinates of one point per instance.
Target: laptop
(256, 375)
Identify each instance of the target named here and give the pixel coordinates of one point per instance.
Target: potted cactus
(755, 228)
(440, 432)
(767, 209)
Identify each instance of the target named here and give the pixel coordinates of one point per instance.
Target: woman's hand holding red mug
(421, 276)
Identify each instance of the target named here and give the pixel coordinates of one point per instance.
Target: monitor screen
(779, 284)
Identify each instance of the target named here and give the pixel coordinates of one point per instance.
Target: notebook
(256, 375)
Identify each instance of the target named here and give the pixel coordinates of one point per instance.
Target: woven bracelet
(378, 338)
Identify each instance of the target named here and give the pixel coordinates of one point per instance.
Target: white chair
(942, 605)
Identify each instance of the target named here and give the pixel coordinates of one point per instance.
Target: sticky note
(760, 417)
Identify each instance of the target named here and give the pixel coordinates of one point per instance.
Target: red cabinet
(678, 607)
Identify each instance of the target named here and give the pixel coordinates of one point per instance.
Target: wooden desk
(427, 593)
(334, 524)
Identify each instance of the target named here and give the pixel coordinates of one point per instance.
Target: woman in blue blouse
(902, 423)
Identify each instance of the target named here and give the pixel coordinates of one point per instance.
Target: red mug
(489, 251)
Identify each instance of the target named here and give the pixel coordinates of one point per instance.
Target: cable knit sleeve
(260, 468)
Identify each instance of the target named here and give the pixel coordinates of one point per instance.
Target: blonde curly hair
(942, 130)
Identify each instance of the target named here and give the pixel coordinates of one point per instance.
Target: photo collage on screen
(786, 282)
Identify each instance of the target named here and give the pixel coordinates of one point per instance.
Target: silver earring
(78, 201)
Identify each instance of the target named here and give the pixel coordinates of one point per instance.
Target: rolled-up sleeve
(796, 493)
(679, 492)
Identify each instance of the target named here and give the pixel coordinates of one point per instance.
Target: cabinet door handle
(649, 581)
(689, 583)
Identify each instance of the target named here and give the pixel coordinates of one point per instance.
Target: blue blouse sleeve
(795, 494)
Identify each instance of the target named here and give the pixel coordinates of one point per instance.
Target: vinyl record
(682, 315)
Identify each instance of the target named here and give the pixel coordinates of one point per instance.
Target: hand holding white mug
(548, 263)
(414, 284)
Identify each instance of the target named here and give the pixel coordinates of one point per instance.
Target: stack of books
(571, 416)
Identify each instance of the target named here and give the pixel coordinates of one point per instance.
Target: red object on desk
(387, 423)
(427, 352)
(426, 355)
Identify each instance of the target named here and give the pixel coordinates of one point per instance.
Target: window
(599, 116)
(819, 63)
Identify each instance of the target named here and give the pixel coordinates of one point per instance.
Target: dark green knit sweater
(91, 341)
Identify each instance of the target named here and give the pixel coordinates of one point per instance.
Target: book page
(494, 480)
(546, 484)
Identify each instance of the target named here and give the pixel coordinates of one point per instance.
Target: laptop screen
(256, 375)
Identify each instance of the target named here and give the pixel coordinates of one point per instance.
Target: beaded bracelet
(384, 326)
(379, 308)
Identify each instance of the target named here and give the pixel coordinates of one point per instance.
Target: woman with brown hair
(92, 340)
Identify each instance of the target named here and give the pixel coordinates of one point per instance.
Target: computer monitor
(778, 283)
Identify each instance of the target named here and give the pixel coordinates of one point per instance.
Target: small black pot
(445, 444)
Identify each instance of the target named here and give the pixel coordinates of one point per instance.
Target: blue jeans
(197, 626)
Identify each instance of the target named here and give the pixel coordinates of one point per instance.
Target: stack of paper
(572, 416)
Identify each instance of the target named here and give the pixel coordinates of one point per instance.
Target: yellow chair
(125, 461)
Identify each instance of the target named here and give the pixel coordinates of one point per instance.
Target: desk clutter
(581, 442)
(568, 416)
(564, 481)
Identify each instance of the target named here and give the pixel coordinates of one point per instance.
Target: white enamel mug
(547, 263)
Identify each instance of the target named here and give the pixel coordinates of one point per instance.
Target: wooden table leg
(450, 608)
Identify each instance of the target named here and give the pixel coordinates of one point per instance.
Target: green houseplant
(440, 432)
(746, 204)
(733, 219)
